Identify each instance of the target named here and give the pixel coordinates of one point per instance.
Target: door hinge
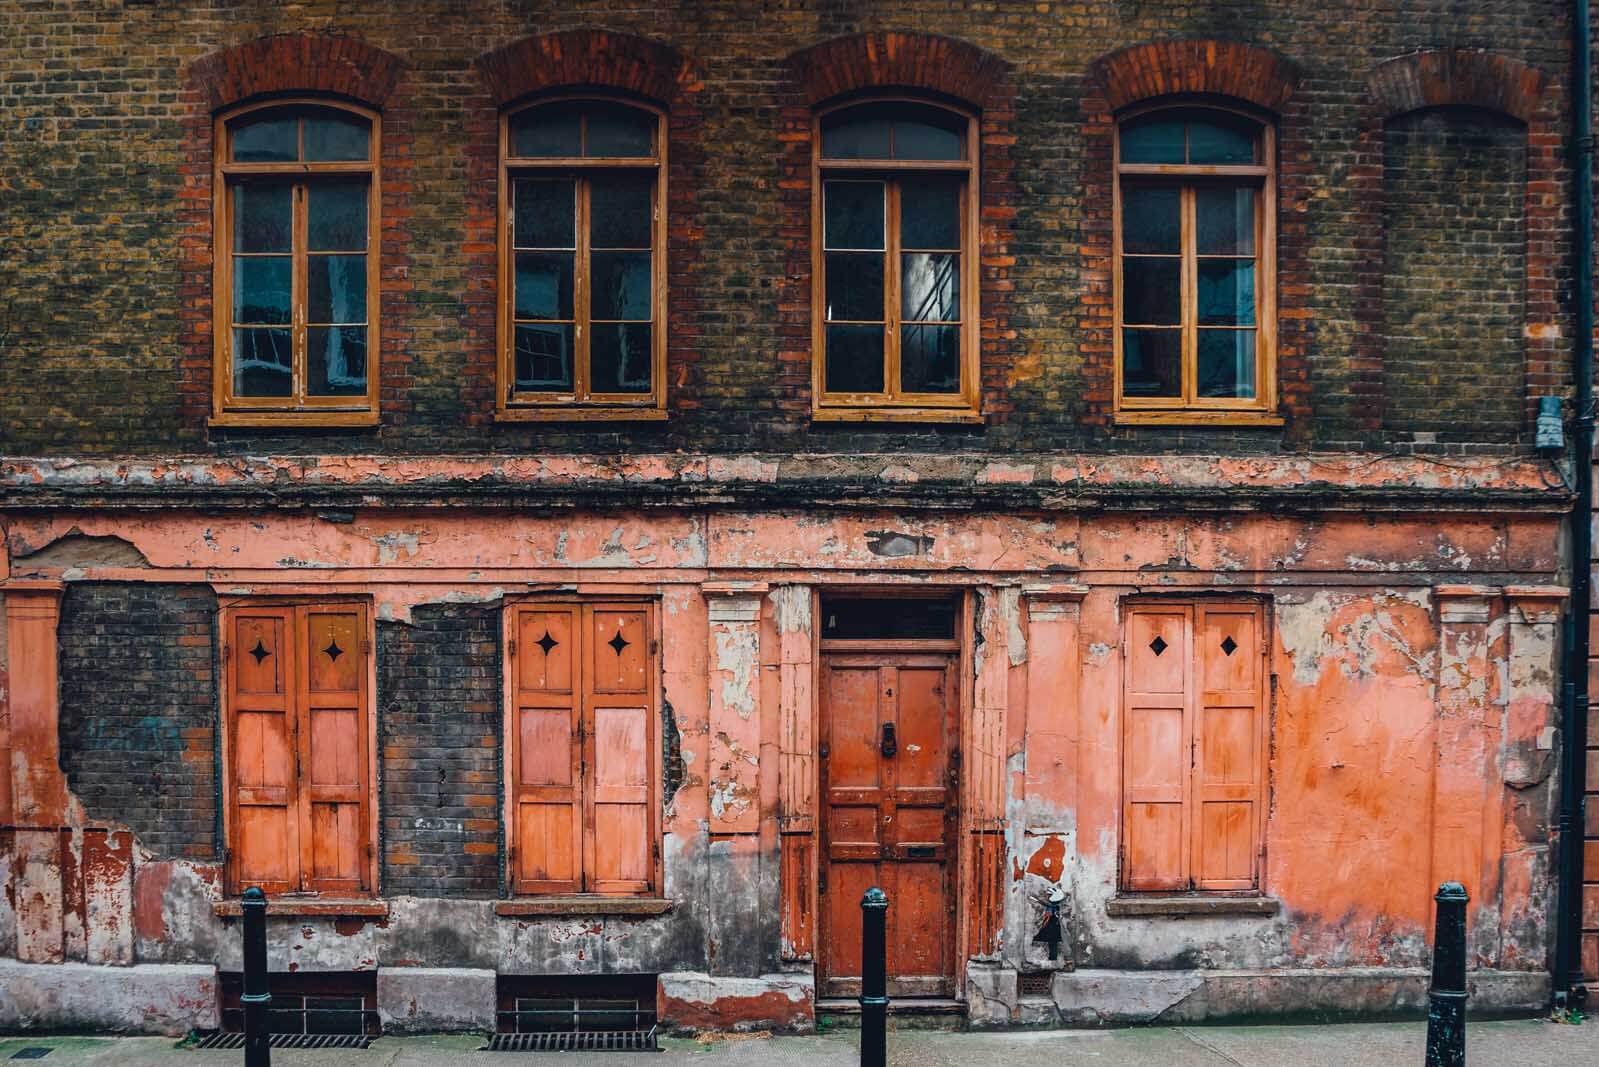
(511, 644)
(655, 646)
(821, 881)
(655, 850)
(821, 751)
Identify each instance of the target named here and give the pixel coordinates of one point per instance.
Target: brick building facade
(608, 546)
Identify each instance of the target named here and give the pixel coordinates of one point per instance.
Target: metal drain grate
(576, 1041)
(224, 1040)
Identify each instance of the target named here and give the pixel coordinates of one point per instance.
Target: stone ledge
(147, 998)
(1183, 907)
(583, 905)
(232, 909)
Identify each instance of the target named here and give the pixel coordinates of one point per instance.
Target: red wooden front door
(889, 787)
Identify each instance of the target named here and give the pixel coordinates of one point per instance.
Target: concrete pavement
(1522, 1043)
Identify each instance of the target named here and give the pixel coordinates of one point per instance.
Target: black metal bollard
(1446, 1014)
(257, 1000)
(874, 978)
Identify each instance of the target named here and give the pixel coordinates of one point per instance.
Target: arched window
(895, 282)
(582, 265)
(296, 277)
(1194, 262)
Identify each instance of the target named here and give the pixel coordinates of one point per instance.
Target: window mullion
(581, 288)
(891, 290)
(1189, 281)
(300, 268)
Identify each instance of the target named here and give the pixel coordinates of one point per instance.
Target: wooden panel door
(888, 787)
(1155, 751)
(1227, 749)
(618, 842)
(264, 849)
(333, 751)
(546, 815)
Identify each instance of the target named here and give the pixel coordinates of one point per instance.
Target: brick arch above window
(297, 63)
(583, 58)
(1218, 68)
(898, 60)
(1457, 78)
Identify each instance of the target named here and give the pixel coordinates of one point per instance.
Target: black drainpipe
(1574, 728)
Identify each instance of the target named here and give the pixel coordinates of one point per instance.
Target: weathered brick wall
(1455, 239)
(104, 156)
(439, 731)
(139, 710)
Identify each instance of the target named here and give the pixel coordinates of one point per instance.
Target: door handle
(889, 744)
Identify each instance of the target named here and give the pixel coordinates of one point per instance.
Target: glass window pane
(336, 289)
(1151, 292)
(1218, 140)
(545, 214)
(262, 288)
(1227, 292)
(929, 286)
(854, 359)
(617, 131)
(544, 285)
(930, 212)
(1152, 140)
(853, 215)
(855, 286)
(267, 140)
(546, 132)
(619, 358)
(621, 209)
(544, 357)
(929, 359)
(335, 217)
(1152, 363)
(263, 363)
(263, 217)
(1152, 219)
(336, 361)
(621, 286)
(1227, 363)
(855, 135)
(336, 138)
(928, 140)
(1225, 221)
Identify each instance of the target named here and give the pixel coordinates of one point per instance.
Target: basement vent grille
(343, 1041)
(576, 1041)
(1036, 984)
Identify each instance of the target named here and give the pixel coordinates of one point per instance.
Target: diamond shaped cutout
(1158, 645)
(546, 642)
(618, 642)
(1228, 645)
(259, 651)
(333, 650)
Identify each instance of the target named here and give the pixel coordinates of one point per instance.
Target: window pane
(544, 357)
(1227, 292)
(263, 363)
(930, 212)
(545, 214)
(336, 138)
(854, 359)
(336, 362)
(927, 140)
(1227, 363)
(618, 131)
(263, 217)
(855, 286)
(1151, 363)
(929, 286)
(621, 210)
(619, 358)
(267, 140)
(1151, 293)
(261, 288)
(853, 214)
(929, 359)
(855, 136)
(621, 286)
(544, 285)
(550, 131)
(336, 289)
(335, 217)
(1152, 219)
(1225, 221)
(1220, 140)
(1152, 140)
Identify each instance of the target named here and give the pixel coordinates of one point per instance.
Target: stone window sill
(582, 905)
(1187, 906)
(232, 909)
(1195, 417)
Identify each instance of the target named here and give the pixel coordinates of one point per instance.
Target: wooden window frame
(583, 608)
(1194, 608)
(1190, 409)
(891, 405)
(299, 696)
(297, 409)
(579, 404)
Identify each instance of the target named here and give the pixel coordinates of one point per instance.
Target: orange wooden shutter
(617, 752)
(265, 832)
(1155, 748)
(333, 749)
(545, 780)
(1227, 762)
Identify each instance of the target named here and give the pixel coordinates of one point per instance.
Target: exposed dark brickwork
(139, 710)
(1455, 265)
(439, 728)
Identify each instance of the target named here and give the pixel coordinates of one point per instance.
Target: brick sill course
(232, 909)
(1184, 907)
(582, 905)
